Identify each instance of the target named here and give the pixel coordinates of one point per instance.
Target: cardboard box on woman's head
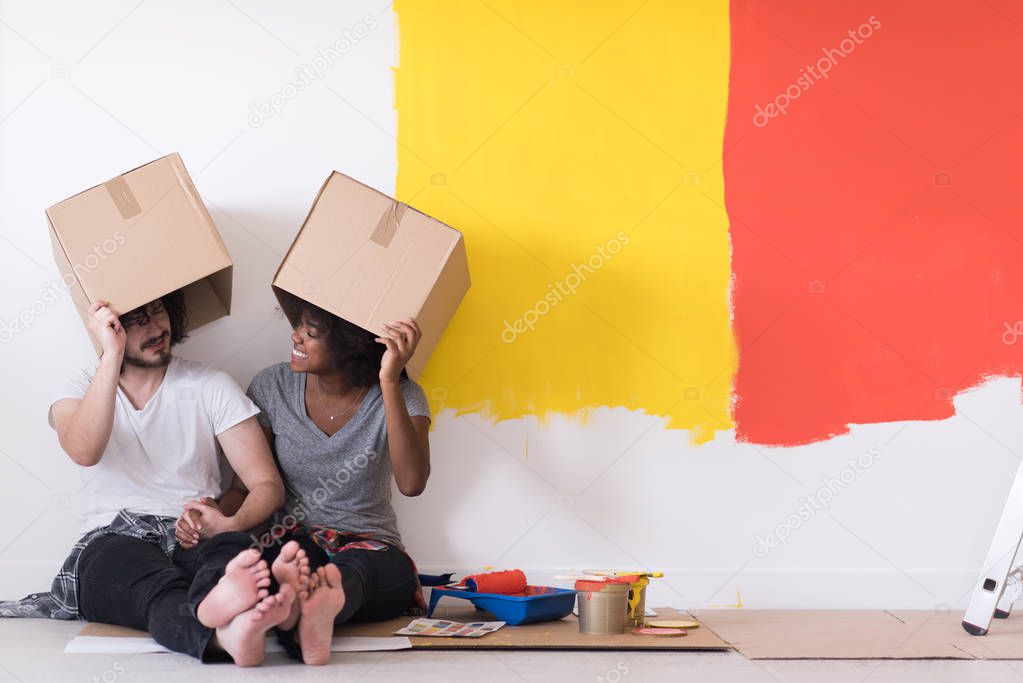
(139, 236)
(370, 259)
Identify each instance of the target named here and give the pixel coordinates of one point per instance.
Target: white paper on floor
(117, 645)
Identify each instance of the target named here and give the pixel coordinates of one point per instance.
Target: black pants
(378, 584)
(129, 582)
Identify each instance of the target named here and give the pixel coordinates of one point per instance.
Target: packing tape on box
(387, 226)
(123, 197)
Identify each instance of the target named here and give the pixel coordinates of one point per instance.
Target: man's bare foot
(245, 582)
(292, 568)
(244, 638)
(316, 628)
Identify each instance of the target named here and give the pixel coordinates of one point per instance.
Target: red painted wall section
(876, 222)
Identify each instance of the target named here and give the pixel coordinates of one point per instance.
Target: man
(151, 423)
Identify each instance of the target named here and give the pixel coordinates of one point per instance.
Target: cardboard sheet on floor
(862, 634)
(551, 635)
(1003, 641)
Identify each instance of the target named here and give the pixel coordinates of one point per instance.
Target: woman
(343, 418)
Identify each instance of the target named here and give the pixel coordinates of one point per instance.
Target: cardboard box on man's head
(370, 259)
(139, 236)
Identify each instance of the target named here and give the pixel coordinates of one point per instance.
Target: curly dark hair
(354, 352)
(178, 314)
(174, 304)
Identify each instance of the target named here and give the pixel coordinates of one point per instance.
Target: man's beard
(162, 360)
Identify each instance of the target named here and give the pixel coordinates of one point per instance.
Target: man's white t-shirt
(166, 454)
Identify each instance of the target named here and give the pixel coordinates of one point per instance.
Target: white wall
(88, 92)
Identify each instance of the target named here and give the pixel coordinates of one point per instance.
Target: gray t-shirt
(342, 481)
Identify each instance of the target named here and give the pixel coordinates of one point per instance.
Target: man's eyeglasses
(140, 316)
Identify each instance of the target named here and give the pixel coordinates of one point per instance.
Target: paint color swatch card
(447, 629)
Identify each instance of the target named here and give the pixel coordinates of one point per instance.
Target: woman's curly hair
(354, 352)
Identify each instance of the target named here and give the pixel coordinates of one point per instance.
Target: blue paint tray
(536, 603)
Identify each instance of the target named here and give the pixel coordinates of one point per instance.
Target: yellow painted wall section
(577, 145)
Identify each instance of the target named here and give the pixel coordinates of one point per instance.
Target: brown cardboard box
(139, 236)
(371, 259)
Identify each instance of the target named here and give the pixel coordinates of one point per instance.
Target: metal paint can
(636, 611)
(602, 606)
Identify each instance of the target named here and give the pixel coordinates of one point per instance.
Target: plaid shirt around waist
(61, 602)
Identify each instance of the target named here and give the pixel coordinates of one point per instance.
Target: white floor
(32, 650)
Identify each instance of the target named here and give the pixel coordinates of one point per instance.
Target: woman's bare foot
(244, 638)
(316, 628)
(292, 568)
(245, 582)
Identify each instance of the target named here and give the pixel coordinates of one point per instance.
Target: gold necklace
(349, 409)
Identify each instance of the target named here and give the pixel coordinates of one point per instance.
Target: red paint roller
(511, 582)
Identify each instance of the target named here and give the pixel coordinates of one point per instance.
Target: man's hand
(105, 328)
(200, 519)
(400, 338)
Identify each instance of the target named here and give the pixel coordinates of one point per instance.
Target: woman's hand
(401, 338)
